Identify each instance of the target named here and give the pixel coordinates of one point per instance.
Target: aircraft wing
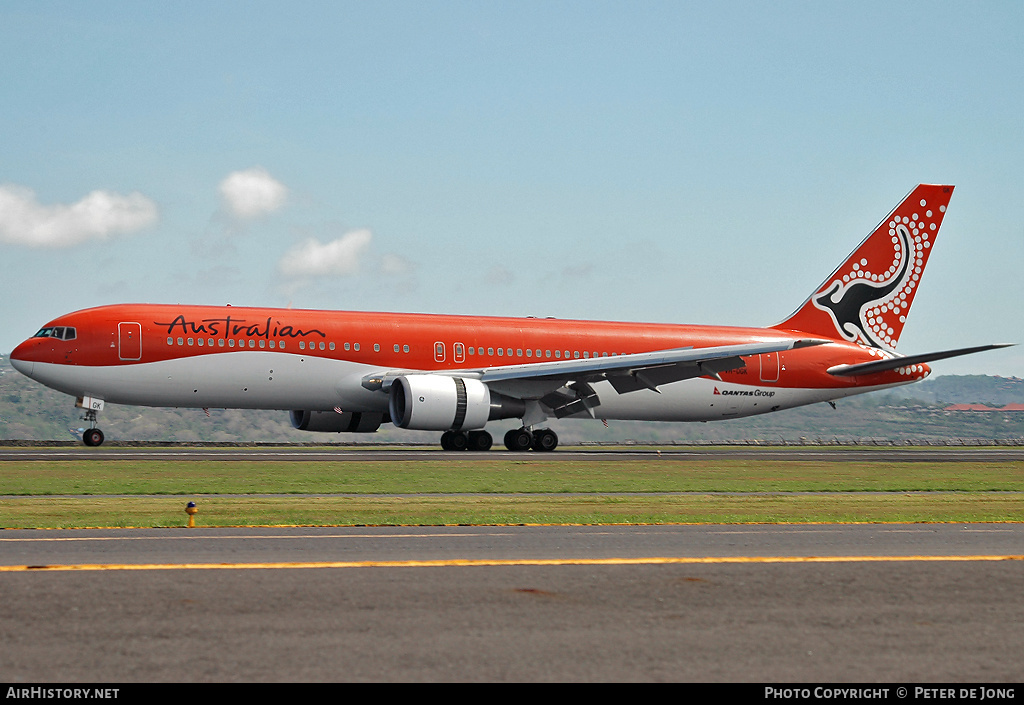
(564, 385)
(649, 370)
(866, 368)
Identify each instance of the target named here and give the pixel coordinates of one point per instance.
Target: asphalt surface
(868, 603)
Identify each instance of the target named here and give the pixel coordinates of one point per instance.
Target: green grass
(65, 512)
(471, 492)
(500, 476)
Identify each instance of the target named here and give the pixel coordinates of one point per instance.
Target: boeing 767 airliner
(339, 371)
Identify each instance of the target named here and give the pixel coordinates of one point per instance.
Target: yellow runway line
(507, 562)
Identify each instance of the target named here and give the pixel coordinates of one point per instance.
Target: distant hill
(964, 389)
(30, 411)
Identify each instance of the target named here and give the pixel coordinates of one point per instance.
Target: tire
(519, 440)
(545, 441)
(480, 441)
(92, 437)
(458, 441)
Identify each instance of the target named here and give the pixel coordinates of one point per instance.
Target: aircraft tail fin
(867, 298)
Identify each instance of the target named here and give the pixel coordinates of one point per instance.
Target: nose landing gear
(92, 436)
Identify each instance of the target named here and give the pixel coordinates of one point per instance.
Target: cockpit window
(58, 332)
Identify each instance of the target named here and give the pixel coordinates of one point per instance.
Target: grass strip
(501, 476)
(67, 512)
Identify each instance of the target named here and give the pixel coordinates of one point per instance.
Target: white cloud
(252, 193)
(336, 258)
(98, 216)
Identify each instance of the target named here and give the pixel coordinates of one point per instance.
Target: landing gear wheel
(480, 440)
(454, 440)
(518, 440)
(545, 440)
(92, 437)
(458, 441)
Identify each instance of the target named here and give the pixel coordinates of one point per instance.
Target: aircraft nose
(19, 360)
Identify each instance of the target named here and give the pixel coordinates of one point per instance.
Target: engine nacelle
(439, 403)
(333, 422)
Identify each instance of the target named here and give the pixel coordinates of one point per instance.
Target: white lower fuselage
(268, 380)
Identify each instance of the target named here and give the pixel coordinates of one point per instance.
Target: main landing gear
(519, 440)
(474, 440)
(92, 436)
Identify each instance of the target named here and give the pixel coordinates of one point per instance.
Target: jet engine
(439, 403)
(333, 422)
(442, 403)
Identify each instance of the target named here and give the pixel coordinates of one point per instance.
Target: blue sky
(678, 162)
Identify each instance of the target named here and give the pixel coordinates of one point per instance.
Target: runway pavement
(812, 603)
(567, 454)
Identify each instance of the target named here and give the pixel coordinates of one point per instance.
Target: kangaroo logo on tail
(850, 303)
(866, 300)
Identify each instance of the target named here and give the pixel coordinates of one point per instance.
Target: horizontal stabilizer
(867, 368)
